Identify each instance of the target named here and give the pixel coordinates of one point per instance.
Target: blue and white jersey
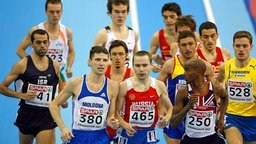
(90, 109)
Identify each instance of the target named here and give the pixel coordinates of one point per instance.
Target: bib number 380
(90, 119)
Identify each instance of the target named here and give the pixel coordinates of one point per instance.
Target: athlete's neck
(95, 78)
(209, 51)
(117, 74)
(242, 63)
(184, 59)
(117, 70)
(170, 32)
(51, 28)
(210, 55)
(94, 81)
(141, 85)
(199, 86)
(40, 62)
(144, 81)
(118, 29)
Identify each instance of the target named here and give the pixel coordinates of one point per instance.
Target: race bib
(128, 61)
(200, 121)
(91, 118)
(142, 115)
(152, 136)
(240, 91)
(44, 95)
(90, 113)
(55, 54)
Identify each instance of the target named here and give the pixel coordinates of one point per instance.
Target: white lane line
(134, 17)
(210, 16)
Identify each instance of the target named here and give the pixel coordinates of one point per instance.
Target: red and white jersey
(141, 108)
(218, 61)
(165, 48)
(126, 75)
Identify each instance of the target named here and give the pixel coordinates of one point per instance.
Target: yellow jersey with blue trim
(176, 79)
(240, 87)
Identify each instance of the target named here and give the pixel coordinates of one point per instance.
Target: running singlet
(126, 75)
(112, 132)
(141, 108)
(45, 83)
(130, 42)
(176, 80)
(240, 87)
(58, 49)
(164, 46)
(90, 109)
(200, 120)
(218, 61)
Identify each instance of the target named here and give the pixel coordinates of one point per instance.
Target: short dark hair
(38, 31)
(242, 34)
(196, 64)
(185, 34)
(207, 25)
(117, 43)
(117, 2)
(98, 49)
(142, 53)
(52, 2)
(172, 7)
(186, 20)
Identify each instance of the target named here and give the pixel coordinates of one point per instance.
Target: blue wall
(231, 16)
(17, 18)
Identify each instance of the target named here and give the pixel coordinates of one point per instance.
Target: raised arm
(61, 85)
(57, 71)
(166, 70)
(226, 54)
(101, 38)
(154, 44)
(221, 75)
(113, 92)
(174, 48)
(223, 108)
(136, 42)
(209, 73)
(180, 110)
(20, 51)
(54, 107)
(17, 69)
(221, 93)
(71, 53)
(119, 103)
(162, 92)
